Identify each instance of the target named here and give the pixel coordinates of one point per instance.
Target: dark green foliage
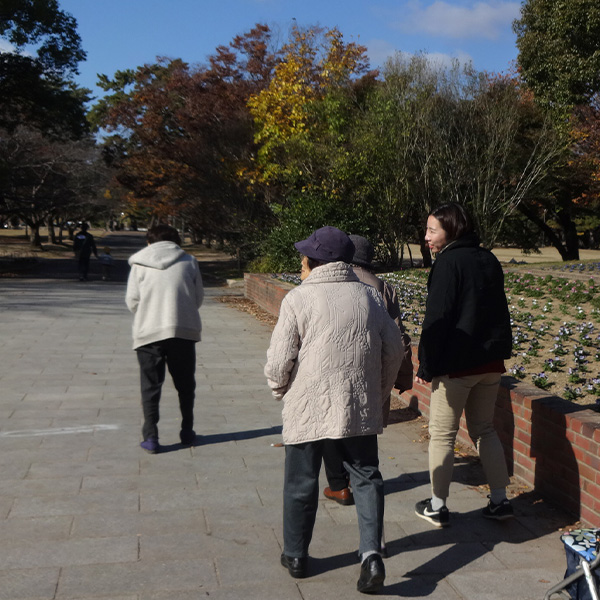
(42, 24)
(559, 50)
(297, 221)
(27, 95)
(36, 86)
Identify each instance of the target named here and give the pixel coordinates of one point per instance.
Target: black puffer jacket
(466, 323)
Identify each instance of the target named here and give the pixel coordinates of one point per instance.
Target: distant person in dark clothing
(83, 246)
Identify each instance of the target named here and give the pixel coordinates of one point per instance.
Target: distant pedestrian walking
(83, 246)
(107, 262)
(164, 292)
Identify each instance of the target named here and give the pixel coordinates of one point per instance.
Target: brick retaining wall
(265, 291)
(551, 445)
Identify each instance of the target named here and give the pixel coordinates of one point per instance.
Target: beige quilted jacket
(333, 357)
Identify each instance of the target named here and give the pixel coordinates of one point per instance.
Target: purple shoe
(150, 446)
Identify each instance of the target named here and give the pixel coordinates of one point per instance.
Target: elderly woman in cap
(333, 359)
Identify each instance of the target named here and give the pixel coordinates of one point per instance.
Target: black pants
(333, 460)
(179, 356)
(83, 265)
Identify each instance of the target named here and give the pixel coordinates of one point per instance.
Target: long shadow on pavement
(220, 438)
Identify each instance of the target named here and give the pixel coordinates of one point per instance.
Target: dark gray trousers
(301, 491)
(333, 461)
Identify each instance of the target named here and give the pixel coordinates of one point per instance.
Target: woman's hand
(421, 381)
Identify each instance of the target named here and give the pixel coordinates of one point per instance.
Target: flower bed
(556, 329)
(555, 322)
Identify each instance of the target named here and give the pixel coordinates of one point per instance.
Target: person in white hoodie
(164, 292)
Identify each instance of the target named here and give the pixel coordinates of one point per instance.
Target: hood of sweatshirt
(160, 255)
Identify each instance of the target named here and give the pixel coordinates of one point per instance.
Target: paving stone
(31, 487)
(17, 530)
(141, 524)
(56, 553)
(28, 584)
(52, 505)
(110, 580)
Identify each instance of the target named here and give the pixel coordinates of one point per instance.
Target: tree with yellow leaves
(303, 120)
(288, 114)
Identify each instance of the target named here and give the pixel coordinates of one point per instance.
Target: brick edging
(551, 444)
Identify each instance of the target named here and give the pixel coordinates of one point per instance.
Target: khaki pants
(476, 396)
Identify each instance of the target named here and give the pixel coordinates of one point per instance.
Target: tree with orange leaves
(180, 136)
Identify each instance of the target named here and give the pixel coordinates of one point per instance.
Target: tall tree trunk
(425, 252)
(410, 256)
(550, 234)
(570, 232)
(34, 237)
(51, 231)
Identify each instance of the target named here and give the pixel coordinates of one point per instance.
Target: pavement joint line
(59, 431)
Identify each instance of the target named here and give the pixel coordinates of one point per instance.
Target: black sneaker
(499, 512)
(439, 518)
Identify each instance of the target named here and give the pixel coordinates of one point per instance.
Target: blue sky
(121, 34)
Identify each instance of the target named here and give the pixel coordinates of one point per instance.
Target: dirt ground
(548, 254)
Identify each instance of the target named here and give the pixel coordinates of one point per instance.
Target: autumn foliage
(264, 143)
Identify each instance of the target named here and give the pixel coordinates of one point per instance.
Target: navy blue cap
(328, 244)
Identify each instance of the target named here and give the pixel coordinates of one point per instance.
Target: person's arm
(132, 295)
(199, 286)
(392, 355)
(392, 305)
(440, 317)
(283, 350)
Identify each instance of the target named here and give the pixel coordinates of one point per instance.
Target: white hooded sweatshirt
(164, 292)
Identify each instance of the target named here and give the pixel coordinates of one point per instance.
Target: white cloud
(444, 19)
(379, 51)
(6, 46)
(446, 60)
(439, 59)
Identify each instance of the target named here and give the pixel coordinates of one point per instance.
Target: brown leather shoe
(343, 497)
